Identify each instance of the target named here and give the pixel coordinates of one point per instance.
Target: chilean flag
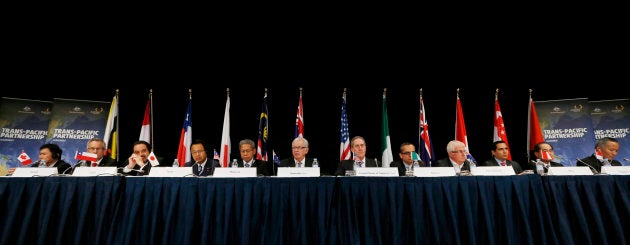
(85, 156)
(185, 139)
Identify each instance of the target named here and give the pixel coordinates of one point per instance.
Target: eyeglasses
(460, 151)
(298, 147)
(94, 148)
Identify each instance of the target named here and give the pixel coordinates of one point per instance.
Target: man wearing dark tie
(500, 153)
(201, 165)
(299, 149)
(358, 148)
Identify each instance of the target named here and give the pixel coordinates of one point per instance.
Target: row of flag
(426, 152)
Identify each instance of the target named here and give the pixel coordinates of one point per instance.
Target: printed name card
(616, 170)
(88, 171)
(298, 172)
(493, 171)
(383, 172)
(234, 172)
(170, 172)
(434, 172)
(570, 171)
(34, 172)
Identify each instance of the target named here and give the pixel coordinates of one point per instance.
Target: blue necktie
(360, 164)
(247, 165)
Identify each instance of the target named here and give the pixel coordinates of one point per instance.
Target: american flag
(345, 134)
(216, 155)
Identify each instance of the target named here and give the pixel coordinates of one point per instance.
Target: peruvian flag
(599, 155)
(460, 129)
(85, 156)
(225, 136)
(24, 158)
(145, 131)
(153, 159)
(546, 155)
(185, 139)
(535, 135)
(499, 127)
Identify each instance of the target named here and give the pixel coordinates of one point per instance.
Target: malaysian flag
(263, 131)
(426, 151)
(344, 148)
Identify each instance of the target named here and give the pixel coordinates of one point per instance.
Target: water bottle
(42, 164)
(416, 164)
(175, 163)
(472, 166)
(315, 163)
(540, 168)
(234, 163)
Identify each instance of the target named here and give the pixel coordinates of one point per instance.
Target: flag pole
(117, 127)
(529, 124)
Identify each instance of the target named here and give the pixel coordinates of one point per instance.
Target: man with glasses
(97, 146)
(299, 149)
(406, 159)
(456, 157)
(201, 165)
(543, 151)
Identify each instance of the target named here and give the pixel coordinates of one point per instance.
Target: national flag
(263, 131)
(225, 136)
(276, 159)
(299, 119)
(499, 126)
(599, 155)
(185, 138)
(145, 131)
(153, 159)
(24, 158)
(546, 155)
(344, 148)
(216, 155)
(426, 150)
(386, 144)
(111, 130)
(534, 133)
(415, 156)
(87, 156)
(460, 127)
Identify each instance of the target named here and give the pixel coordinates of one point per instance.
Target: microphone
(41, 163)
(592, 168)
(72, 167)
(132, 170)
(83, 163)
(626, 159)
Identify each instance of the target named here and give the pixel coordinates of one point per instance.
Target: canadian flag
(153, 159)
(24, 159)
(85, 156)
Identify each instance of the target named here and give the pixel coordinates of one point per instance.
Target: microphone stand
(592, 168)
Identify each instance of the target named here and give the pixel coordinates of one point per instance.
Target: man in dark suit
(456, 157)
(500, 152)
(299, 149)
(50, 156)
(97, 146)
(358, 148)
(543, 152)
(406, 160)
(247, 149)
(201, 164)
(605, 150)
(138, 163)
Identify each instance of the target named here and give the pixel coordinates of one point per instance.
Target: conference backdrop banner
(74, 123)
(567, 126)
(23, 126)
(610, 119)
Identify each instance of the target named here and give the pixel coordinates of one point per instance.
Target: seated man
(500, 152)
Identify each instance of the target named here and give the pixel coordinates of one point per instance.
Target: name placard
(234, 172)
(34, 172)
(434, 172)
(493, 171)
(89, 171)
(584, 170)
(616, 170)
(298, 172)
(170, 172)
(376, 171)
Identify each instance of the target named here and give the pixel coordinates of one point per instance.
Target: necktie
(200, 169)
(299, 165)
(94, 164)
(360, 164)
(247, 165)
(503, 164)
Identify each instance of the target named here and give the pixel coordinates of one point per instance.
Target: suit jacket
(402, 169)
(290, 162)
(208, 170)
(595, 163)
(145, 170)
(551, 164)
(262, 168)
(349, 165)
(61, 166)
(446, 162)
(492, 162)
(106, 162)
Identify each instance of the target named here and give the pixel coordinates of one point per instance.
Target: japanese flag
(153, 159)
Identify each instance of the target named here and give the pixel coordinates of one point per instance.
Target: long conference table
(529, 209)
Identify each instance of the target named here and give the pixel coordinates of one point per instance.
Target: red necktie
(502, 163)
(94, 164)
